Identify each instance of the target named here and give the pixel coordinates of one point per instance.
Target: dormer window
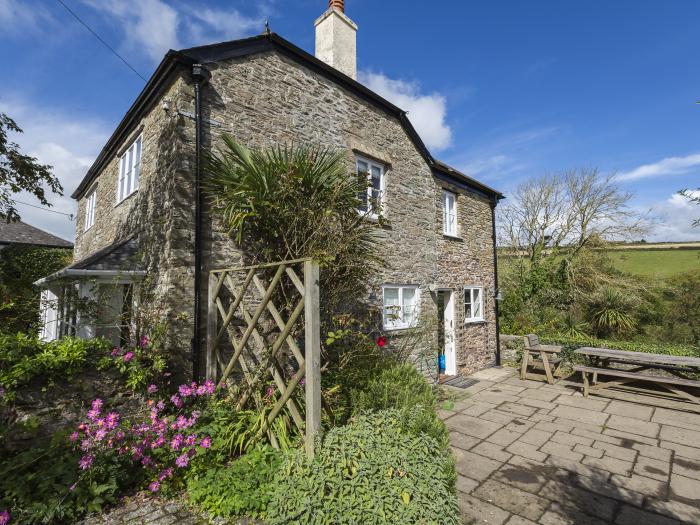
(373, 174)
(129, 170)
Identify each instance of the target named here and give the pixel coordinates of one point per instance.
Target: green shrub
(40, 485)
(369, 471)
(402, 387)
(24, 357)
(242, 488)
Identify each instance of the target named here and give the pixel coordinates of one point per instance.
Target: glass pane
(391, 296)
(392, 309)
(362, 194)
(376, 178)
(409, 305)
(467, 303)
(477, 302)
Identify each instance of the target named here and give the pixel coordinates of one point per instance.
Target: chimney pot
(337, 4)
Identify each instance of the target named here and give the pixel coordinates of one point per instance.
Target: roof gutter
(496, 291)
(68, 272)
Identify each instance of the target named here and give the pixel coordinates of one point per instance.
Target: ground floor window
(473, 304)
(400, 304)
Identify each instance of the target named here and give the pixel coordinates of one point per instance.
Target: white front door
(448, 319)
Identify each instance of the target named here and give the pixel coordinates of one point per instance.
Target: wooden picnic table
(600, 359)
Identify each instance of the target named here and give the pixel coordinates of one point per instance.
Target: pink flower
(97, 404)
(209, 386)
(128, 357)
(175, 399)
(190, 440)
(182, 461)
(144, 341)
(154, 486)
(116, 351)
(185, 390)
(4, 517)
(112, 420)
(176, 443)
(165, 474)
(270, 391)
(205, 442)
(100, 434)
(86, 461)
(152, 389)
(74, 437)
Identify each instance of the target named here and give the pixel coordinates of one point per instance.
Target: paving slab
(572, 498)
(633, 426)
(686, 467)
(476, 511)
(578, 401)
(473, 465)
(512, 499)
(581, 415)
(472, 426)
(525, 474)
(674, 418)
(633, 516)
(653, 468)
(674, 509)
(491, 450)
(682, 436)
(622, 408)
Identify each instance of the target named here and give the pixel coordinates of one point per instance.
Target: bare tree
(566, 211)
(694, 197)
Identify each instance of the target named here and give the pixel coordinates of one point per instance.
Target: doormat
(461, 382)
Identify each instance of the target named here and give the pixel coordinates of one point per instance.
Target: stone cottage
(143, 223)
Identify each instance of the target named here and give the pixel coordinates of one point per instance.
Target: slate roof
(23, 233)
(178, 60)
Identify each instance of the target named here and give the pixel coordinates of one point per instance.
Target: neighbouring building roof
(26, 234)
(175, 60)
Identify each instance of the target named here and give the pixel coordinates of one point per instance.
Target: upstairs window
(371, 174)
(400, 306)
(449, 213)
(90, 202)
(129, 170)
(473, 304)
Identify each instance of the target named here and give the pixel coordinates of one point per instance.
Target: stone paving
(532, 453)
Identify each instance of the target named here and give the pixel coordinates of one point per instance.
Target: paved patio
(527, 452)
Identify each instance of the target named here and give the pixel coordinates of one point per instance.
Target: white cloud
(16, 16)
(677, 214)
(67, 143)
(152, 27)
(426, 112)
(664, 167)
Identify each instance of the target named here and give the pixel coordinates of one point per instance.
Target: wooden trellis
(245, 315)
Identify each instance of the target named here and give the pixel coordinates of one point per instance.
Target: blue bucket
(441, 362)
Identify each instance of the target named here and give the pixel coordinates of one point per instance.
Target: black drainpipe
(495, 277)
(200, 75)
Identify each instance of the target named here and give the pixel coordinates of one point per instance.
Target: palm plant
(609, 312)
(291, 202)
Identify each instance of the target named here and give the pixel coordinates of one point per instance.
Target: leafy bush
(20, 266)
(609, 312)
(44, 485)
(242, 488)
(369, 471)
(402, 387)
(24, 357)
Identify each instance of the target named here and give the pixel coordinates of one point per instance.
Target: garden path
(531, 453)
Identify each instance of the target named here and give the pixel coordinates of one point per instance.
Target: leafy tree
(20, 172)
(694, 197)
(20, 266)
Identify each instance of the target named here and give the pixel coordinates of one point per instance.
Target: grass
(656, 263)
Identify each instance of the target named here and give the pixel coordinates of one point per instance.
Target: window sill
(398, 328)
(126, 198)
(453, 237)
(475, 321)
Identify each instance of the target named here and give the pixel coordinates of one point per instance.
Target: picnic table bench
(600, 359)
(537, 355)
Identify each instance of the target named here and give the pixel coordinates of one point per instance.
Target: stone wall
(467, 260)
(264, 100)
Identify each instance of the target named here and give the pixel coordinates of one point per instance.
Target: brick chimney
(336, 39)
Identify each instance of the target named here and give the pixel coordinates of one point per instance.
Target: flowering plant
(160, 443)
(143, 363)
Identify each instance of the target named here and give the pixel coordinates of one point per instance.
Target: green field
(656, 263)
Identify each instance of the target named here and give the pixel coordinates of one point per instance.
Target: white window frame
(471, 289)
(130, 169)
(446, 229)
(90, 204)
(372, 213)
(397, 323)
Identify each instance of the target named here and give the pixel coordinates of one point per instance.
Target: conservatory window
(400, 306)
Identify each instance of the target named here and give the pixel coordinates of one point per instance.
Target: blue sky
(503, 90)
